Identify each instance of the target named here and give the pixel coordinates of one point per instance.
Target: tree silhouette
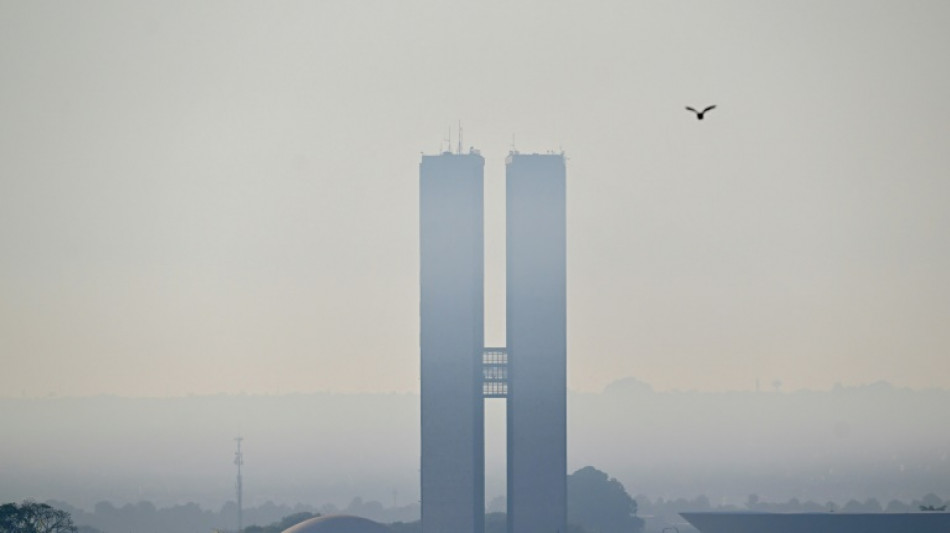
(32, 517)
(600, 504)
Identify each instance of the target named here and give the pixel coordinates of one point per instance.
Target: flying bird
(699, 114)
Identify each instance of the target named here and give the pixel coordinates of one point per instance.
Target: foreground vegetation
(32, 517)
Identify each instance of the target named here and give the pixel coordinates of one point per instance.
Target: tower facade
(537, 343)
(458, 372)
(452, 338)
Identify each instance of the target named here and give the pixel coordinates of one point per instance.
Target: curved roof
(338, 524)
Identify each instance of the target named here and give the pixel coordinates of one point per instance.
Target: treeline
(652, 515)
(145, 517)
(596, 502)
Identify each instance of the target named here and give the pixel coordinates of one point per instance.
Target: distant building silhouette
(457, 372)
(731, 522)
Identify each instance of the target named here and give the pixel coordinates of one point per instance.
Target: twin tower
(458, 372)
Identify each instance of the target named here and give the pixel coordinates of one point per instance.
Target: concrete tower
(537, 344)
(458, 372)
(452, 339)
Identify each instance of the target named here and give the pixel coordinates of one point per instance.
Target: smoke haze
(209, 227)
(847, 443)
(222, 197)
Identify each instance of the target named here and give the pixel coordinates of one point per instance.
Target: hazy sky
(222, 196)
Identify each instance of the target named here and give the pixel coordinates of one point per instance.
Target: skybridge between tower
(495, 373)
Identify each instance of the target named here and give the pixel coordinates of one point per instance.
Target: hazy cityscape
(850, 443)
(500, 267)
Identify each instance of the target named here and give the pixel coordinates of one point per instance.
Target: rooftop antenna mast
(239, 460)
(460, 138)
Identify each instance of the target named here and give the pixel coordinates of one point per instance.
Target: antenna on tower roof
(460, 137)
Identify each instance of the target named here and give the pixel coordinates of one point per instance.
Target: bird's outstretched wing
(708, 108)
(691, 109)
